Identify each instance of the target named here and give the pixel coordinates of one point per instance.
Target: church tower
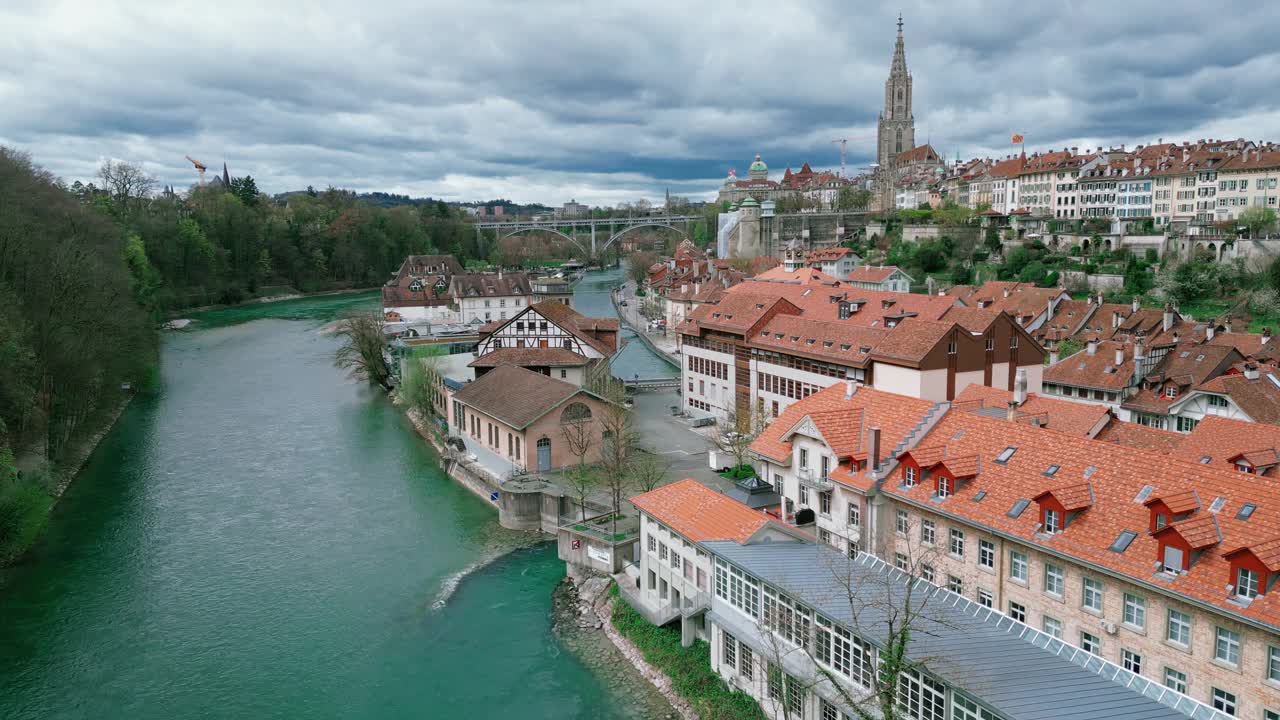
(897, 131)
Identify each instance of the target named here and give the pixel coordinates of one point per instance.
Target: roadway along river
(267, 539)
(591, 297)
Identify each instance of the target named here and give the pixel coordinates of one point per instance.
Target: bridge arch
(637, 226)
(570, 238)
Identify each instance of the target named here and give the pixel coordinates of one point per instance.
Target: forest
(89, 271)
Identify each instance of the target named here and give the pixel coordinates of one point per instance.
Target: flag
(1017, 138)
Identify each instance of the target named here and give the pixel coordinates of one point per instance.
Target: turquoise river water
(265, 538)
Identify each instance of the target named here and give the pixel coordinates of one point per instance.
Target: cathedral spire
(899, 53)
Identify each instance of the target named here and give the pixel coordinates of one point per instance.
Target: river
(591, 297)
(265, 538)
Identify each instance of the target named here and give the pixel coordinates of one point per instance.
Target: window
(804, 459)
(1018, 566)
(928, 533)
(909, 476)
(1131, 661)
(774, 680)
(1018, 611)
(653, 544)
(824, 502)
(902, 522)
(675, 559)
(1246, 583)
(926, 572)
(829, 711)
(1178, 628)
(1092, 597)
(855, 515)
(1175, 680)
(1226, 647)
(662, 551)
(1052, 521)
(955, 584)
(1273, 663)
(962, 708)
(795, 697)
(944, 486)
(957, 542)
(985, 598)
(1054, 580)
(1053, 627)
(900, 561)
(920, 696)
(986, 554)
(729, 654)
(1224, 701)
(1090, 643)
(745, 661)
(1135, 611)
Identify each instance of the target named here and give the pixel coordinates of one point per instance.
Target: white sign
(597, 554)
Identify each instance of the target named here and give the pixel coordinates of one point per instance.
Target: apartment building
(1005, 177)
(1164, 574)
(799, 626)
(486, 297)
(1248, 180)
(771, 341)
(885, 278)
(838, 262)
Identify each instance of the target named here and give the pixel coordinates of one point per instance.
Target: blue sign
(493, 496)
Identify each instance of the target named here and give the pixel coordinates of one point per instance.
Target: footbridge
(608, 230)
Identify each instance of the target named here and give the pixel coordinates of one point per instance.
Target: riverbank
(181, 312)
(57, 478)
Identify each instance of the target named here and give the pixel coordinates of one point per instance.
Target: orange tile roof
(1259, 398)
(1063, 415)
(1219, 438)
(1200, 531)
(699, 513)
(1132, 434)
(1072, 498)
(815, 300)
(872, 274)
(842, 422)
(1179, 502)
(1118, 476)
(803, 276)
(1098, 370)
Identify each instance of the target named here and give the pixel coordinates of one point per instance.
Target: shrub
(688, 667)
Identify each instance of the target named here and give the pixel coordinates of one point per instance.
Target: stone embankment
(583, 609)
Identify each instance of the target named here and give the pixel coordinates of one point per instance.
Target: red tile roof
(530, 356)
(1219, 439)
(1098, 370)
(1118, 475)
(1132, 434)
(699, 513)
(803, 276)
(872, 274)
(1063, 415)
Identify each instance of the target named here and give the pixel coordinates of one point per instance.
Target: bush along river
(266, 538)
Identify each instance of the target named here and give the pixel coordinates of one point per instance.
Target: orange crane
(199, 166)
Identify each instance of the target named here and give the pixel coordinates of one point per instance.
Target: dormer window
(1160, 520)
(944, 486)
(909, 476)
(1244, 467)
(1052, 521)
(1171, 391)
(1247, 583)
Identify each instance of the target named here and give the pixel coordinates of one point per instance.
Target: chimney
(1251, 371)
(1226, 324)
(1020, 386)
(1006, 292)
(696, 286)
(1266, 335)
(684, 288)
(1134, 304)
(1053, 356)
(1168, 317)
(850, 385)
(873, 455)
(1013, 410)
(1116, 319)
(1119, 356)
(1208, 332)
(1092, 346)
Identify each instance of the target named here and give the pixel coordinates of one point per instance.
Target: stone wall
(1096, 281)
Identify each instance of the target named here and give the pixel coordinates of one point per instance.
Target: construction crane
(842, 142)
(199, 166)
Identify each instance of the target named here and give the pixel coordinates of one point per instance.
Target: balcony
(815, 480)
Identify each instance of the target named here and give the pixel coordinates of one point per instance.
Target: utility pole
(843, 142)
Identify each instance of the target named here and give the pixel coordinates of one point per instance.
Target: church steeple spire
(897, 123)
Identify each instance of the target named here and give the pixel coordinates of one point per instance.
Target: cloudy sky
(607, 101)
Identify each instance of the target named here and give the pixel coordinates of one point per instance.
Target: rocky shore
(582, 611)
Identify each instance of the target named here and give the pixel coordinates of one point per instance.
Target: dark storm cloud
(605, 102)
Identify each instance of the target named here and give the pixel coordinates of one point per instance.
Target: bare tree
(735, 435)
(363, 342)
(582, 480)
(888, 609)
(579, 435)
(648, 471)
(618, 442)
(128, 183)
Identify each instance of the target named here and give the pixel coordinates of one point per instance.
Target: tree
(579, 433)
(582, 480)
(1189, 281)
(648, 471)
(618, 442)
(127, 183)
(246, 189)
(421, 375)
(885, 612)
(361, 351)
(735, 435)
(851, 198)
(1258, 220)
(638, 264)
